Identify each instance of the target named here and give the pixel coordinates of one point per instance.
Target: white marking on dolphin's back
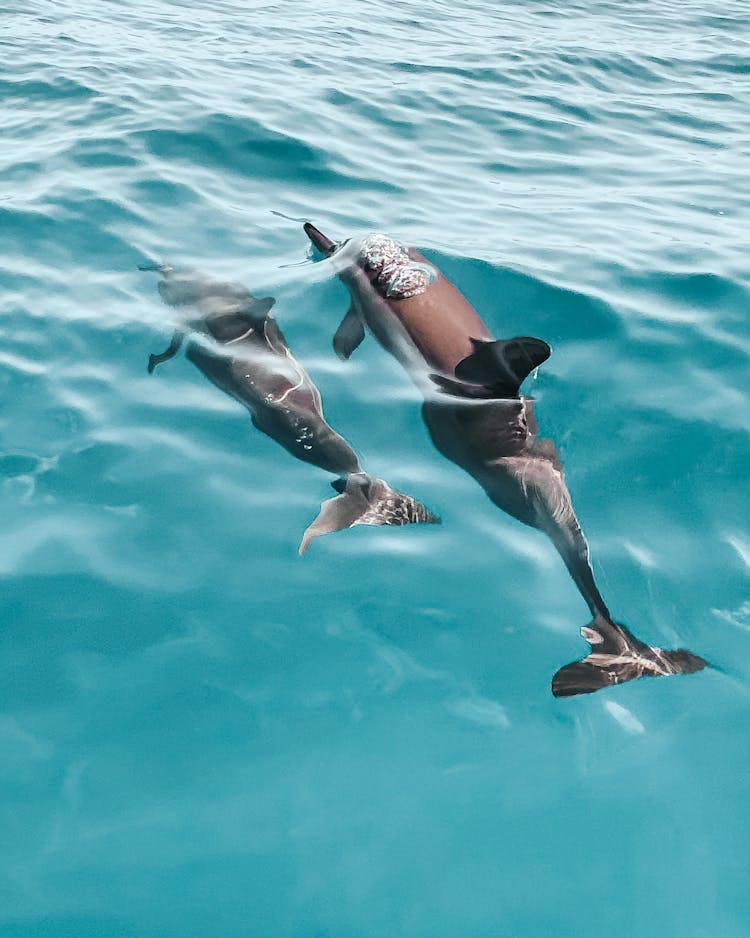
(398, 276)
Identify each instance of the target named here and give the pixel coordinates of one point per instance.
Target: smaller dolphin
(477, 418)
(242, 351)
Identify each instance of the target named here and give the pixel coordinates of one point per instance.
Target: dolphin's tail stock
(363, 499)
(618, 656)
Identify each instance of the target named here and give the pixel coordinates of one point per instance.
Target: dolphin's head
(322, 242)
(344, 255)
(386, 262)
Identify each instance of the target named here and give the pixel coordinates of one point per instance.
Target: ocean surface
(202, 734)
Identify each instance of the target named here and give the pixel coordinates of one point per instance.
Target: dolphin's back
(441, 322)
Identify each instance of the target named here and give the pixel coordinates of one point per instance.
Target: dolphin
(240, 348)
(477, 418)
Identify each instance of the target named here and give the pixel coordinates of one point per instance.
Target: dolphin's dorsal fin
(349, 334)
(504, 363)
(460, 388)
(260, 305)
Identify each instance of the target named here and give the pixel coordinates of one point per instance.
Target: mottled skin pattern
(241, 349)
(490, 430)
(413, 328)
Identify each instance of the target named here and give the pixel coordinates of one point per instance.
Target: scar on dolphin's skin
(477, 418)
(236, 343)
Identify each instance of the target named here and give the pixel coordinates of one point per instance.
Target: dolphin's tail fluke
(363, 499)
(618, 656)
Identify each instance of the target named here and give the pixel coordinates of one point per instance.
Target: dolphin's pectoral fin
(504, 364)
(618, 656)
(363, 499)
(170, 352)
(349, 334)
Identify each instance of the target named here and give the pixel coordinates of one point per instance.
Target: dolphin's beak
(322, 242)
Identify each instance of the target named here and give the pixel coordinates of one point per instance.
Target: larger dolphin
(242, 351)
(478, 419)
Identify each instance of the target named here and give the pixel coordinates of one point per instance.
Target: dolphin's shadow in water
(234, 341)
(477, 418)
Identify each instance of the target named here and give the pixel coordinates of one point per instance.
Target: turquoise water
(202, 734)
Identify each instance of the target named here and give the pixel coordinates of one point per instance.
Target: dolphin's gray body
(243, 352)
(477, 418)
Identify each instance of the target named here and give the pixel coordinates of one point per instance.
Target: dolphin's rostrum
(478, 419)
(241, 349)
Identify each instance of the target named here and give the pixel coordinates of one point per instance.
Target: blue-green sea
(203, 735)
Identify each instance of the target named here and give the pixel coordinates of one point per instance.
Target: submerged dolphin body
(477, 418)
(242, 351)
